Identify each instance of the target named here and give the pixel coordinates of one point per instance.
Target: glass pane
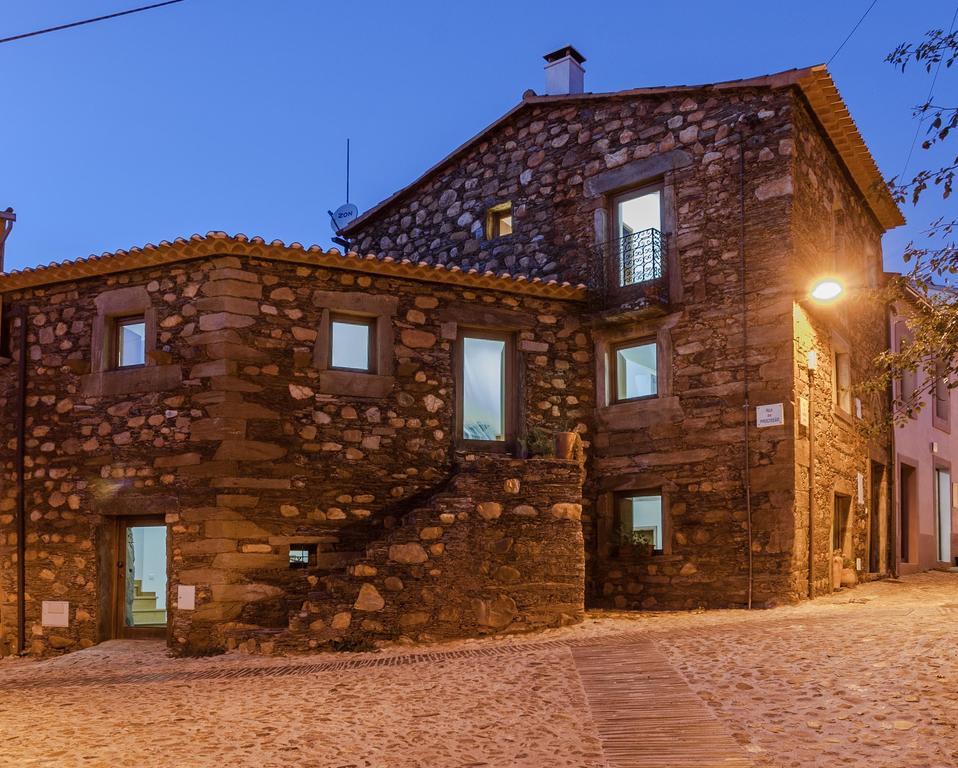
(132, 343)
(350, 345)
(635, 372)
(640, 518)
(639, 213)
(145, 576)
(505, 225)
(639, 225)
(483, 389)
(944, 515)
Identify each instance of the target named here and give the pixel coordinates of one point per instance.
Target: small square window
(641, 521)
(499, 221)
(302, 555)
(634, 371)
(129, 342)
(351, 343)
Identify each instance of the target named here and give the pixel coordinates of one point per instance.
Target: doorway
(876, 499)
(140, 607)
(907, 504)
(943, 514)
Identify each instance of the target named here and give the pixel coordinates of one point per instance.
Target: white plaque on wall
(55, 613)
(803, 411)
(186, 597)
(858, 407)
(861, 488)
(769, 415)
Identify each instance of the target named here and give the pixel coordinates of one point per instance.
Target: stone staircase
(145, 611)
(497, 547)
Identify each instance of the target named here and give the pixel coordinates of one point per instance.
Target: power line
(86, 21)
(852, 32)
(931, 92)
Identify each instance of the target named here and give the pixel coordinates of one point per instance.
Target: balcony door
(637, 235)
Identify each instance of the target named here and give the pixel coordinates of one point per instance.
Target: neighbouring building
(927, 521)
(342, 449)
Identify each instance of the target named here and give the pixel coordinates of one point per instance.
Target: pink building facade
(926, 463)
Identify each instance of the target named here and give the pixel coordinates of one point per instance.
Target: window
(843, 381)
(640, 521)
(634, 371)
(638, 235)
(129, 342)
(843, 506)
(499, 221)
(302, 555)
(351, 343)
(942, 393)
(909, 378)
(485, 374)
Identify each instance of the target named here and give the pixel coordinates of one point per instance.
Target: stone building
(288, 419)
(344, 449)
(699, 216)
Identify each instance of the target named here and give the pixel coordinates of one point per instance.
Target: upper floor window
(352, 343)
(942, 394)
(129, 342)
(641, 520)
(637, 223)
(485, 374)
(635, 370)
(499, 221)
(843, 381)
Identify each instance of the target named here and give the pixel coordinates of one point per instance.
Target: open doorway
(876, 503)
(141, 578)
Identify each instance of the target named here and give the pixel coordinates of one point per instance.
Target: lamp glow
(827, 290)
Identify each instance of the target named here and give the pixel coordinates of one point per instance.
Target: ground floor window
(640, 521)
(351, 343)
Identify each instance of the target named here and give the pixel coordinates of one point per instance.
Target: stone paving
(866, 677)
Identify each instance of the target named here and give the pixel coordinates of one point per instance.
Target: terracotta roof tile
(222, 244)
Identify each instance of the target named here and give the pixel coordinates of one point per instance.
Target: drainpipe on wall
(745, 120)
(812, 365)
(21, 313)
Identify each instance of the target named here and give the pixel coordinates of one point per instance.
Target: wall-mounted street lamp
(827, 289)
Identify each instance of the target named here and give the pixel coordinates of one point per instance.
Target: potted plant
(565, 442)
(539, 443)
(633, 543)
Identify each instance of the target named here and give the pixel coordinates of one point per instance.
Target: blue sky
(233, 114)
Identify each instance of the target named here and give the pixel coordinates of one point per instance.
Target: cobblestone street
(867, 677)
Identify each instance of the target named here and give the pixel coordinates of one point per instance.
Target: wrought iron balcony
(630, 273)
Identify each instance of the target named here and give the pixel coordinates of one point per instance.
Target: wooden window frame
(614, 372)
(510, 404)
(117, 324)
(371, 351)
(494, 217)
(659, 493)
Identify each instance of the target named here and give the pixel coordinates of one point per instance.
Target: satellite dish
(343, 216)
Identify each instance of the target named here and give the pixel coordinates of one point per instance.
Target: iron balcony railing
(630, 271)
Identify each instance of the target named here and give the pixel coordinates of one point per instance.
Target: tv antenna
(346, 213)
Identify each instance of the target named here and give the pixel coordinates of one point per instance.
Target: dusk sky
(233, 114)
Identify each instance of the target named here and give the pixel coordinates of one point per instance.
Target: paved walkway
(868, 677)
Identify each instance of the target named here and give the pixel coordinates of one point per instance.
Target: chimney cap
(561, 53)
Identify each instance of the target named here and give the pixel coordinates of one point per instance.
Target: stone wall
(235, 434)
(499, 549)
(836, 234)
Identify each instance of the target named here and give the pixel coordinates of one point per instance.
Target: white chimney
(564, 72)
